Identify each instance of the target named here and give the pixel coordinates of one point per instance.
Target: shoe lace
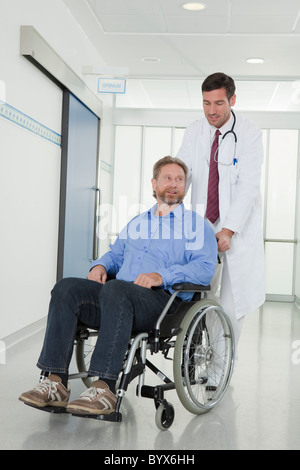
(91, 393)
(46, 386)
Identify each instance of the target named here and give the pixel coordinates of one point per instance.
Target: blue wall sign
(111, 85)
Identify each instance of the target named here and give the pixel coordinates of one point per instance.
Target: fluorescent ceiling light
(194, 6)
(255, 60)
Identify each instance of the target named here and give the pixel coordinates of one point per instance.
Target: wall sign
(111, 85)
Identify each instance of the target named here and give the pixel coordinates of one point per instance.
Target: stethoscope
(231, 131)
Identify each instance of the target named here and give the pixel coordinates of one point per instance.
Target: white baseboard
(24, 333)
(280, 298)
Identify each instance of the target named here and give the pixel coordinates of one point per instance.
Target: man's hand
(224, 239)
(149, 280)
(98, 274)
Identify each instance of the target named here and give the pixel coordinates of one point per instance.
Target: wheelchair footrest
(114, 417)
(49, 409)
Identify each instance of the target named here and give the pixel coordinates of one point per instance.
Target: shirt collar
(177, 212)
(227, 126)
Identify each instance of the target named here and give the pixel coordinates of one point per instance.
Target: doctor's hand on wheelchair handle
(224, 239)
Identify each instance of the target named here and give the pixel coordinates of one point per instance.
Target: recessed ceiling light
(150, 59)
(255, 60)
(194, 6)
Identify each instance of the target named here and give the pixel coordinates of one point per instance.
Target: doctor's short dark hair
(166, 161)
(219, 80)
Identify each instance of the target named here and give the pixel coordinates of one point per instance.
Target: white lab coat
(240, 203)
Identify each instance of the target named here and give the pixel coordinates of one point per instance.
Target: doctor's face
(217, 107)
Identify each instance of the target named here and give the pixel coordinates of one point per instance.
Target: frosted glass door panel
(263, 168)
(82, 155)
(279, 268)
(282, 177)
(158, 142)
(127, 175)
(177, 140)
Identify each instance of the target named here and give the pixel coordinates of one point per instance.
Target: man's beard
(171, 201)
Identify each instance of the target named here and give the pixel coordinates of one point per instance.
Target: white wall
(30, 164)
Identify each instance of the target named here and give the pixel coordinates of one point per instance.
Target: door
(78, 201)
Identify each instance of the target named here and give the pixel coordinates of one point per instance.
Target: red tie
(212, 209)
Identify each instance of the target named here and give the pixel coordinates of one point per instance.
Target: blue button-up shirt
(180, 246)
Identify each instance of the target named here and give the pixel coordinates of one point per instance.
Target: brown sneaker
(97, 400)
(49, 392)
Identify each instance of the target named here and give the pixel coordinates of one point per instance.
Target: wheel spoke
(205, 350)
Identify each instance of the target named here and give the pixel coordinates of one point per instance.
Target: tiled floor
(261, 409)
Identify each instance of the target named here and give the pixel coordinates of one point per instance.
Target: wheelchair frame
(192, 316)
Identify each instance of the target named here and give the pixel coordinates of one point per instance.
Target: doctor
(224, 155)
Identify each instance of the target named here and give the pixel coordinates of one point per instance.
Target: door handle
(96, 217)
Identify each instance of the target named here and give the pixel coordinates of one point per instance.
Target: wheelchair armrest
(189, 287)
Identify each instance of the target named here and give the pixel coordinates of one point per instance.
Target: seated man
(158, 248)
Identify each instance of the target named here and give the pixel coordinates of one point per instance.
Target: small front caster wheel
(164, 416)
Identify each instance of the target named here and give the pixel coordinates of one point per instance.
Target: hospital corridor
(154, 144)
(260, 410)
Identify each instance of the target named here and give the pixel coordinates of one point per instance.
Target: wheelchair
(199, 336)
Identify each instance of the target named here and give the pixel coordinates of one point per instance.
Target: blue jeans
(116, 308)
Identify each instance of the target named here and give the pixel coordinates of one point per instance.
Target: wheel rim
(203, 358)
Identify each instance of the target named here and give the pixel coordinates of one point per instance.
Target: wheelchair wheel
(84, 348)
(203, 357)
(164, 416)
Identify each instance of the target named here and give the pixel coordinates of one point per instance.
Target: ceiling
(191, 45)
